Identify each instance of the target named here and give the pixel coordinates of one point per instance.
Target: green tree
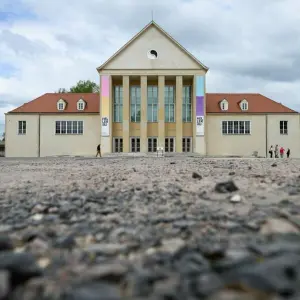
(82, 86)
(86, 86)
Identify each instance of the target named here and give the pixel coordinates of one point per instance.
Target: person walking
(281, 152)
(288, 152)
(276, 151)
(271, 151)
(98, 150)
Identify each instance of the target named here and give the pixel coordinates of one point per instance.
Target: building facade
(152, 94)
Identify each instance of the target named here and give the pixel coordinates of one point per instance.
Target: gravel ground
(140, 228)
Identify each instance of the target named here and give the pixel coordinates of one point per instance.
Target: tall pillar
(143, 128)
(126, 115)
(106, 113)
(161, 111)
(178, 120)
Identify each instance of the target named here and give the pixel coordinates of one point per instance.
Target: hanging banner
(200, 105)
(200, 125)
(105, 126)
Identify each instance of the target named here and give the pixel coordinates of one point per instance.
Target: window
(169, 144)
(69, 127)
(224, 105)
(118, 145)
(152, 54)
(61, 104)
(169, 104)
(135, 103)
(118, 104)
(283, 125)
(152, 103)
(135, 144)
(152, 144)
(236, 127)
(186, 144)
(80, 105)
(244, 105)
(22, 127)
(187, 104)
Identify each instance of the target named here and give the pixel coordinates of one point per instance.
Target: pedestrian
(98, 150)
(288, 152)
(276, 151)
(281, 152)
(271, 151)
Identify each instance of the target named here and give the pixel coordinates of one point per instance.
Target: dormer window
(244, 105)
(224, 104)
(61, 104)
(81, 104)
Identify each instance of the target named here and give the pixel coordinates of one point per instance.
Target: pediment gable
(152, 48)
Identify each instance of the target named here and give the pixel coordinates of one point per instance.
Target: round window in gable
(152, 54)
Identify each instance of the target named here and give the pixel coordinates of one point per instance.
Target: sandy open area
(181, 227)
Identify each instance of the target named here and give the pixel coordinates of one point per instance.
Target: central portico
(152, 94)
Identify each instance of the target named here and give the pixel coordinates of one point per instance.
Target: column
(106, 113)
(126, 117)
(143, 128)
(161, 111)
(178, 115)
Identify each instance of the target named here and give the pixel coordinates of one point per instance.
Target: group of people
(280, 151)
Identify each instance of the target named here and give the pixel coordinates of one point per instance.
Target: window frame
(153, 105)
(66, 127)
(135, 119)
(169, 138)
(187, 104)
(283, 130)
(80, 105)
(120, 141)
(118, 103)
(168, 105)
(153, 148)
(136, 138)
(185, 139)
(229, 127)
(22, 130)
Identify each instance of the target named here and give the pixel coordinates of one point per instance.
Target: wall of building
(290, 140)
(70, 144)
(17, 145)
(241, 145)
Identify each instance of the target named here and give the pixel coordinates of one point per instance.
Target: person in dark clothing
(288, 152)
(98, 150)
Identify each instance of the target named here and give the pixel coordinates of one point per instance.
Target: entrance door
(169, 144)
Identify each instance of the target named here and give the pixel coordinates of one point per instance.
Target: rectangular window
(283, 126)
(187, 104)
(135, 103)
(152, 103)
(118, 145)
(152, 144)
(68, 127)
(169, 104)
(186, 144)
(169, 144)
(135, 144)
(235, 127)
(22, 127)
(118, 104)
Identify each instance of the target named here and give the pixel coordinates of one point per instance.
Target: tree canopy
(82, 86)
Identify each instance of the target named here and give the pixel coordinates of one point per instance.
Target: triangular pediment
(152, 48)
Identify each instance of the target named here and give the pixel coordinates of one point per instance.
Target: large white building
(152, 93)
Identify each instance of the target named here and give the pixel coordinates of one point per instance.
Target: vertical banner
(104, 105)
(199, 105)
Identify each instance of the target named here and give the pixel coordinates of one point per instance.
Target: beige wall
(21, 145)
(170, 56)
(52, 144)
(291, 140)
(244, 145)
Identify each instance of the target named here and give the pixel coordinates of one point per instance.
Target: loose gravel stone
(147, 228)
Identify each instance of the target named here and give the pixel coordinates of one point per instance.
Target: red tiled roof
(257, 103)
(47, 103)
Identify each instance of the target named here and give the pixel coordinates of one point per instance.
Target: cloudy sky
(249, 45)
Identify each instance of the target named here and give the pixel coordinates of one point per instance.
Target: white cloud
(249, 45)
